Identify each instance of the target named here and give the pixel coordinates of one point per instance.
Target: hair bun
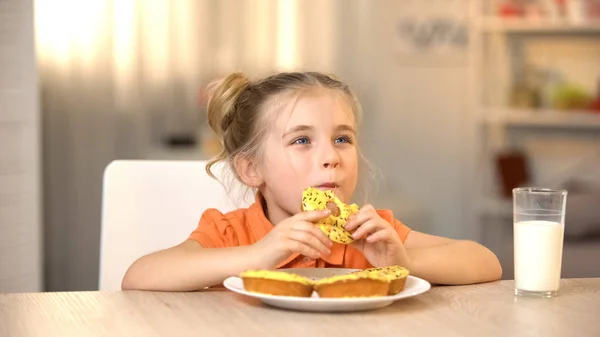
(223, 96)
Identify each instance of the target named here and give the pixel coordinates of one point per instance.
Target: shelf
(541, 26)
(543, 118)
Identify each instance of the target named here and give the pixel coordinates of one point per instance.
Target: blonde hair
(237, 105)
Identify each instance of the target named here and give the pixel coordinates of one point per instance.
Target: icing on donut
(313, 199)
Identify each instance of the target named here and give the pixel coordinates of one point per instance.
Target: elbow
(491, 265)
(490, 273)
(496, 270)
(484, 264)
(131, 280)
(128, 282)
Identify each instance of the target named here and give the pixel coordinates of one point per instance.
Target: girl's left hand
(377, 239)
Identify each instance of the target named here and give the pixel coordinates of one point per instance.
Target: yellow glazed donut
(314, 199)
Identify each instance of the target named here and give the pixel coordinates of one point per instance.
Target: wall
(416, 116)
(20, 227)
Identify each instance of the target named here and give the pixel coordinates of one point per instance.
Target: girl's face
(312, 143)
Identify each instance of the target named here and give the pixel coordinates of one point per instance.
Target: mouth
(327, 186)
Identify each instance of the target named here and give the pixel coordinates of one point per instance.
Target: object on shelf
(510, 9)
(531, 9)
(545, 89)
(525, 92)
(523, 96)
(513, 171)
(573, 11)
(571, 97)
(552, 80)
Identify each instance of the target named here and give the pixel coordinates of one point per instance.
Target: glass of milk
(539, 227)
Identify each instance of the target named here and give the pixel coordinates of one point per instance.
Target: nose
(330, 157)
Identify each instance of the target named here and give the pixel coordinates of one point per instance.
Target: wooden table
(478, 310)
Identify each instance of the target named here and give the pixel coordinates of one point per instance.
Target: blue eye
(301, 141)
(344, 139)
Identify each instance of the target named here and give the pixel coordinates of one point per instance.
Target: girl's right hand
(296, 234)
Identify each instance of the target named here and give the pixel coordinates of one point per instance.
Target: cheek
(351, 158)
(297, 171)
(284, 165)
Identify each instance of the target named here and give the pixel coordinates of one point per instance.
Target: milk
(538, 255)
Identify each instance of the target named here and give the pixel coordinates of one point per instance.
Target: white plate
(414, 286)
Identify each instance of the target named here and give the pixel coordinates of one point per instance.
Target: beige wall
(416, 118)
(20, 227)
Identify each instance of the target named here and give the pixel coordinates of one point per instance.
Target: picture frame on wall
(429, 32)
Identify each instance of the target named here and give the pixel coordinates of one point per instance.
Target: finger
(310, 240)
(358, 219)
(382, 235)
(318, 233)
(369, 227)
(301, 248)
(314, 230)
(312, 216)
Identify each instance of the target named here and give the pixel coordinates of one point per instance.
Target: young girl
(281, 135)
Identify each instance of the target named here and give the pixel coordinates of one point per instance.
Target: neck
(272, 210)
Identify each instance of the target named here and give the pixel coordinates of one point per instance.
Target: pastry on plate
(313, 199)
(352, 285)
(397, 276)
(279, 283)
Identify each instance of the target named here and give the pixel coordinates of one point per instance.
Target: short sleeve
(400, 228)
(214, 230)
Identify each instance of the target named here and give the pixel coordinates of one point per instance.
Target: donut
(313, 199)
(277, 283)
(397, 276)
(353, 285)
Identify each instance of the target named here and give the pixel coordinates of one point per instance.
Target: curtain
(119, 76)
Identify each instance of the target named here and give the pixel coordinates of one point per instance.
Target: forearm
(187, 268)
(459, 262)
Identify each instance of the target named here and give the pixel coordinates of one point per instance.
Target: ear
(249, 172)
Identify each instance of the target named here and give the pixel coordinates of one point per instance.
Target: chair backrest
(149, 206)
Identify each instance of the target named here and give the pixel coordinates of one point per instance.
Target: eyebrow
(298, 128)
(345, 127)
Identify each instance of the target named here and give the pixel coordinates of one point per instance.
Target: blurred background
(463, 100)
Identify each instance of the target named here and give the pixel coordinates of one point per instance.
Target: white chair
(149, 206)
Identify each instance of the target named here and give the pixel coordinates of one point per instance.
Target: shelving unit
(500, 48)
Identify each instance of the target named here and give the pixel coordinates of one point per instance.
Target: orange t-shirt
(246, 226)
